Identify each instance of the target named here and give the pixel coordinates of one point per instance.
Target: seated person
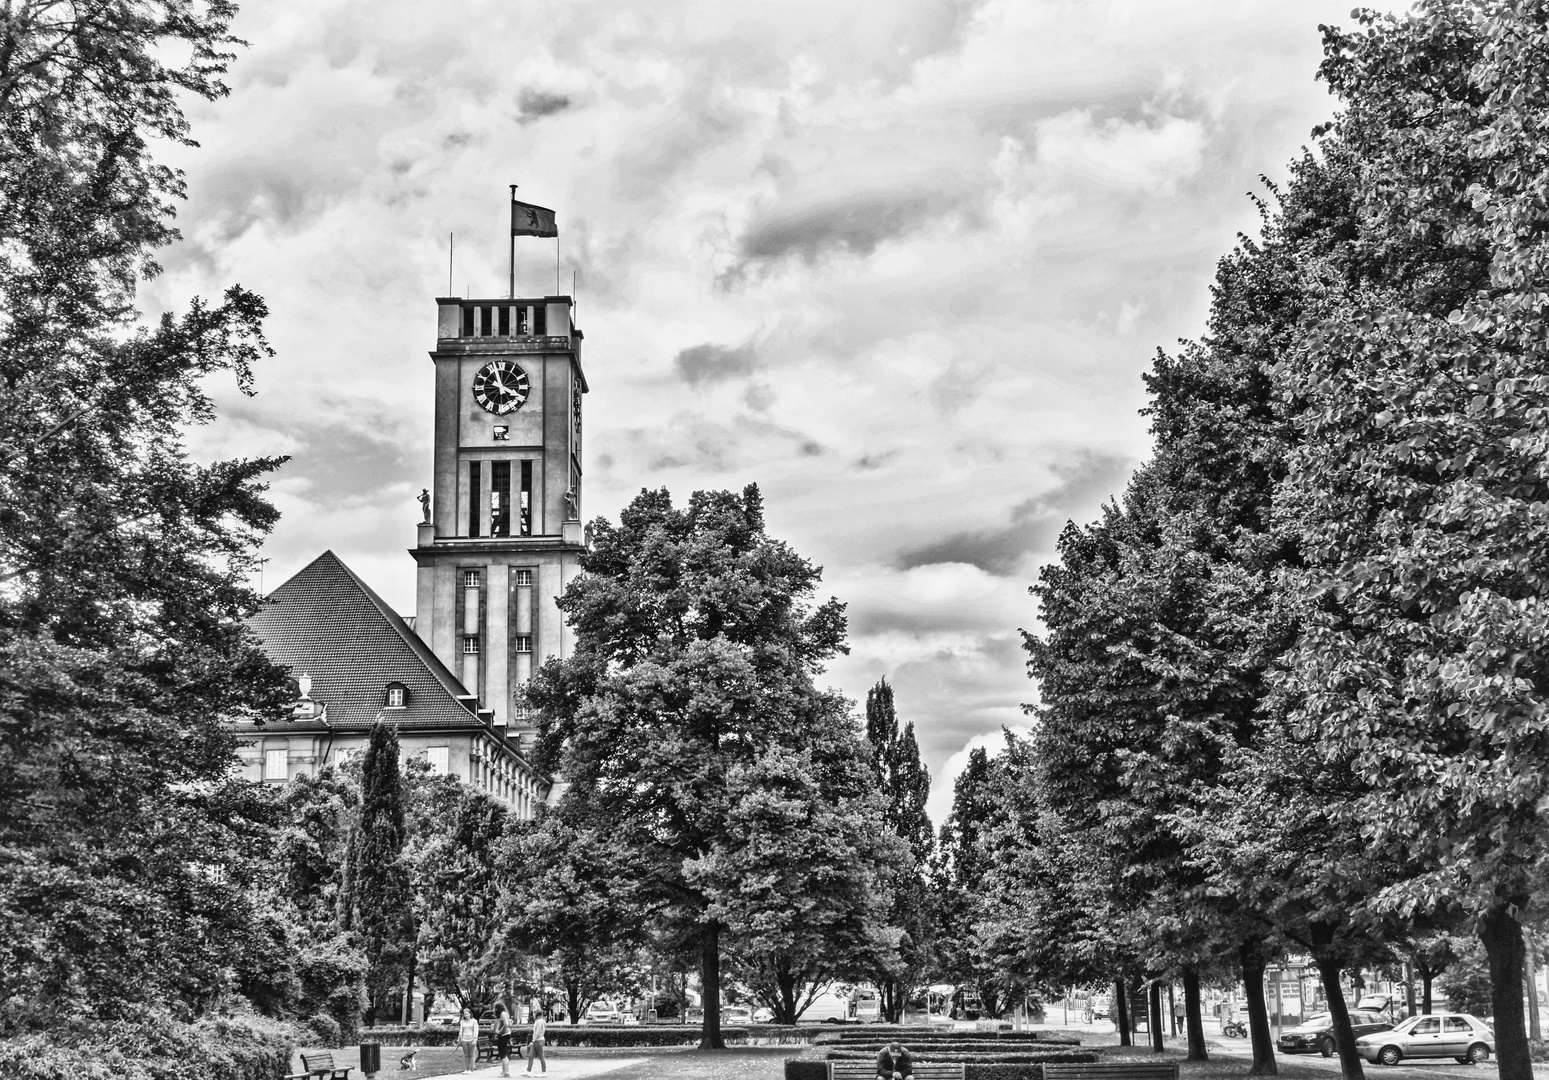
(894, 1062)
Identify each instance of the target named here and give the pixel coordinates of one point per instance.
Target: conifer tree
(905, 785)
(380, 907)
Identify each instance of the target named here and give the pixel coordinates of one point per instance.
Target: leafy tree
(905, 783)
(456, 882)
(127, 858)
(695, 652)
(805, 867)
(570, 898)
(377, 903)
(1419, 482)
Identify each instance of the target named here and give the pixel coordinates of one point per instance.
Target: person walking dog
(468, 1039)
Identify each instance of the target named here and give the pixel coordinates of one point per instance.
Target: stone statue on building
(424, 498)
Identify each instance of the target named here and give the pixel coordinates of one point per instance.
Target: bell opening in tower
(500, 498)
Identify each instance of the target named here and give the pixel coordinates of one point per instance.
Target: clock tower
(504, 537)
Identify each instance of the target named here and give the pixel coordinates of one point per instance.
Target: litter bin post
(370, 1058)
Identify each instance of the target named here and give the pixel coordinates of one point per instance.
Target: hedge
(810, 1070)
(1002, 1072)
(243, 1047)
(874, 1033)
(1008, 1057)
(561, 1035)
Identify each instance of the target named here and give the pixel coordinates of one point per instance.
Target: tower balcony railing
(539, 317)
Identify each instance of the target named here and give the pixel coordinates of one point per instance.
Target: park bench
(1112, 1070)
(867, 1070)
(321, 1064)
(486, 1048)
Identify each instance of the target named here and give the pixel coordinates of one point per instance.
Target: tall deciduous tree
(905, 785)
(122, 564)
(695, 653)
(1419, 482)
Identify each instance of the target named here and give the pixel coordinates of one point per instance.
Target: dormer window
(397, 695)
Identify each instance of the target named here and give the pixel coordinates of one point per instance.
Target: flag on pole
(530, 220)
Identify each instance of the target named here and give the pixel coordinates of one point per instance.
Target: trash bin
(370, 1058)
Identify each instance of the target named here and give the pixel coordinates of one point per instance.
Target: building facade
(500, 540)
(503, 533)
(357, 664)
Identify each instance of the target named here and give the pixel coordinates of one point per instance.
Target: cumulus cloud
(899, 262)
(715, 363)
(855, 224)
(535, 104)
(1035, 522)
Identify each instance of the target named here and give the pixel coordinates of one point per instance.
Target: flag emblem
(530, 220)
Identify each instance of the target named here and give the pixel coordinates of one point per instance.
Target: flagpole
(511, 240)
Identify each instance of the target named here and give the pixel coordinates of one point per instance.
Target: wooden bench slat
(867, 1070)
(1111, 1070)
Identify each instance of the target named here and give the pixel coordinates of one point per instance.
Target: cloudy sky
(900, 262)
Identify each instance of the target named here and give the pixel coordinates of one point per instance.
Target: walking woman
(535, 1051)
(503, 1039)
(468, 1039)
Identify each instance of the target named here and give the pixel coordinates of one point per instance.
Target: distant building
(356, 663)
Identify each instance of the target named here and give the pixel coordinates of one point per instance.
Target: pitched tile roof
(327, 623)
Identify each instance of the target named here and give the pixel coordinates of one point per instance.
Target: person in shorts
(502, 1035)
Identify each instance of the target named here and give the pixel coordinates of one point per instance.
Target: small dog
(406, 1063)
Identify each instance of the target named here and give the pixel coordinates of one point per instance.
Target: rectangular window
(524, 500)
(470, 579)
(475, 491)
(523, 643)
(523, 577)
(276, 764)
(395, 697)
(521, 321)
(467, 322)
(439, 759)
(471, 645)
(505, 321)
(500, 498)
(538, 320)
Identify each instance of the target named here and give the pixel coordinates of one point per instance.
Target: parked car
(1100, 1007)
(449, 1019)
(601, 1012)
(1456, 1035)
(736, 1014)
(1316, 1033)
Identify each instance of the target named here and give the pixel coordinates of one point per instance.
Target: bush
(797, 1069)
(1002, 1072)
(323, 1030)
(242, 1047)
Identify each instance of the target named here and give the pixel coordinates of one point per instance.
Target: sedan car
(736, 1014)
(1455, 1035)
(1316, 1034)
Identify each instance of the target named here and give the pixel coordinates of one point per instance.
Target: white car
(736, 1014)
(1456, 1035)
(601, 1012)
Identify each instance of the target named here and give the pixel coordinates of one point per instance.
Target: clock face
(500, 387)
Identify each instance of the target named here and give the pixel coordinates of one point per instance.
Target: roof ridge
(416, 644)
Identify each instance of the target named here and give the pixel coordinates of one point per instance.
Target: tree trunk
(1426, 975)
(1192, 1022)
(1154, 1018)
(1532, 986)
(1409, 989)
(1501, 935)
(408, 990)
(1344, 1037)
(1258, 1015)
(710, 986)
(1119, 1011)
